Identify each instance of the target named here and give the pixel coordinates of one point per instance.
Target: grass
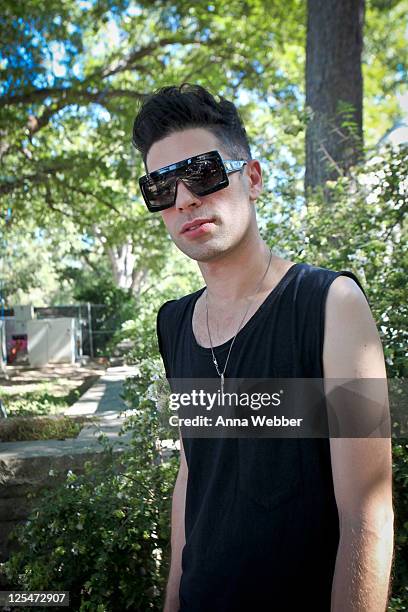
(36, 413)
(45, 399)
(37, 403)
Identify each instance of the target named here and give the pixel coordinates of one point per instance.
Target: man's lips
(192, 225)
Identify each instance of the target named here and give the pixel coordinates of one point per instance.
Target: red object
(19, 345)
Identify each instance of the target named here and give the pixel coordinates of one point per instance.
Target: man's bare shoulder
(352, 347)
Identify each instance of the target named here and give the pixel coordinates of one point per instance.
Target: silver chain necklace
(222, 374)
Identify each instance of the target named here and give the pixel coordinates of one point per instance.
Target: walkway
(102, 400)
(105, 395)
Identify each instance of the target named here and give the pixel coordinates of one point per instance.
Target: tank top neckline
(272, 295)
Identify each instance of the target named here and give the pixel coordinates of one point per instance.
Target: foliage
(104, 534)
(385, 65)
(37, 402)
(179, 276)
(68, 101)
(364, 230)
(31, 264)
(42, 401)
(74, 72)
(45, 397)
(17, 429)
(400, 495)
(111, 305)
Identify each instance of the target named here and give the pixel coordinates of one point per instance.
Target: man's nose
(184, 197)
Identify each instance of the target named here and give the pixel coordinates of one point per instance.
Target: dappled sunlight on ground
(60, 378)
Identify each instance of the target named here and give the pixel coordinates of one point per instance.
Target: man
(260, 524)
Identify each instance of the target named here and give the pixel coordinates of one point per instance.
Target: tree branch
(80, 91)
(38, 177)
(67, 96)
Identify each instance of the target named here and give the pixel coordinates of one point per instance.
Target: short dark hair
(175, 108)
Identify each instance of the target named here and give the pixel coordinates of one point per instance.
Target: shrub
(399, 600)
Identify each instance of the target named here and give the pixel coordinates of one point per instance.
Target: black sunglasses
(202, 174)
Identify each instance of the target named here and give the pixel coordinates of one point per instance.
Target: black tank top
(261, 521)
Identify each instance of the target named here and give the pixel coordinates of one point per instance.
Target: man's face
(228, 214)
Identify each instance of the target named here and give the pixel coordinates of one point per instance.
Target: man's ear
(255, 182)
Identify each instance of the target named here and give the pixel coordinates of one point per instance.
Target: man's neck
(237, 274)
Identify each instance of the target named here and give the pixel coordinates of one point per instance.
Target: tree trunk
(125, 274)
(122, 261)
(334, 88)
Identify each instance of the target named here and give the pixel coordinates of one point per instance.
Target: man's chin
(201, 252)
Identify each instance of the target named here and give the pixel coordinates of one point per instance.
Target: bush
(111, 306)
(104, 535)
(399, 600)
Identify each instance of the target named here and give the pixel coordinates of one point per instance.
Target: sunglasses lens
(203, 175)
(160, 192)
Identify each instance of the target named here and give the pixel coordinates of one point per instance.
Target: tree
(72, 74)
(334, 88)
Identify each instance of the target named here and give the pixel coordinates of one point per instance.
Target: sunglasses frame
(227, 166)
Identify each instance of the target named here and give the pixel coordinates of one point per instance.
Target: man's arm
(178, 539)
(362, 467)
